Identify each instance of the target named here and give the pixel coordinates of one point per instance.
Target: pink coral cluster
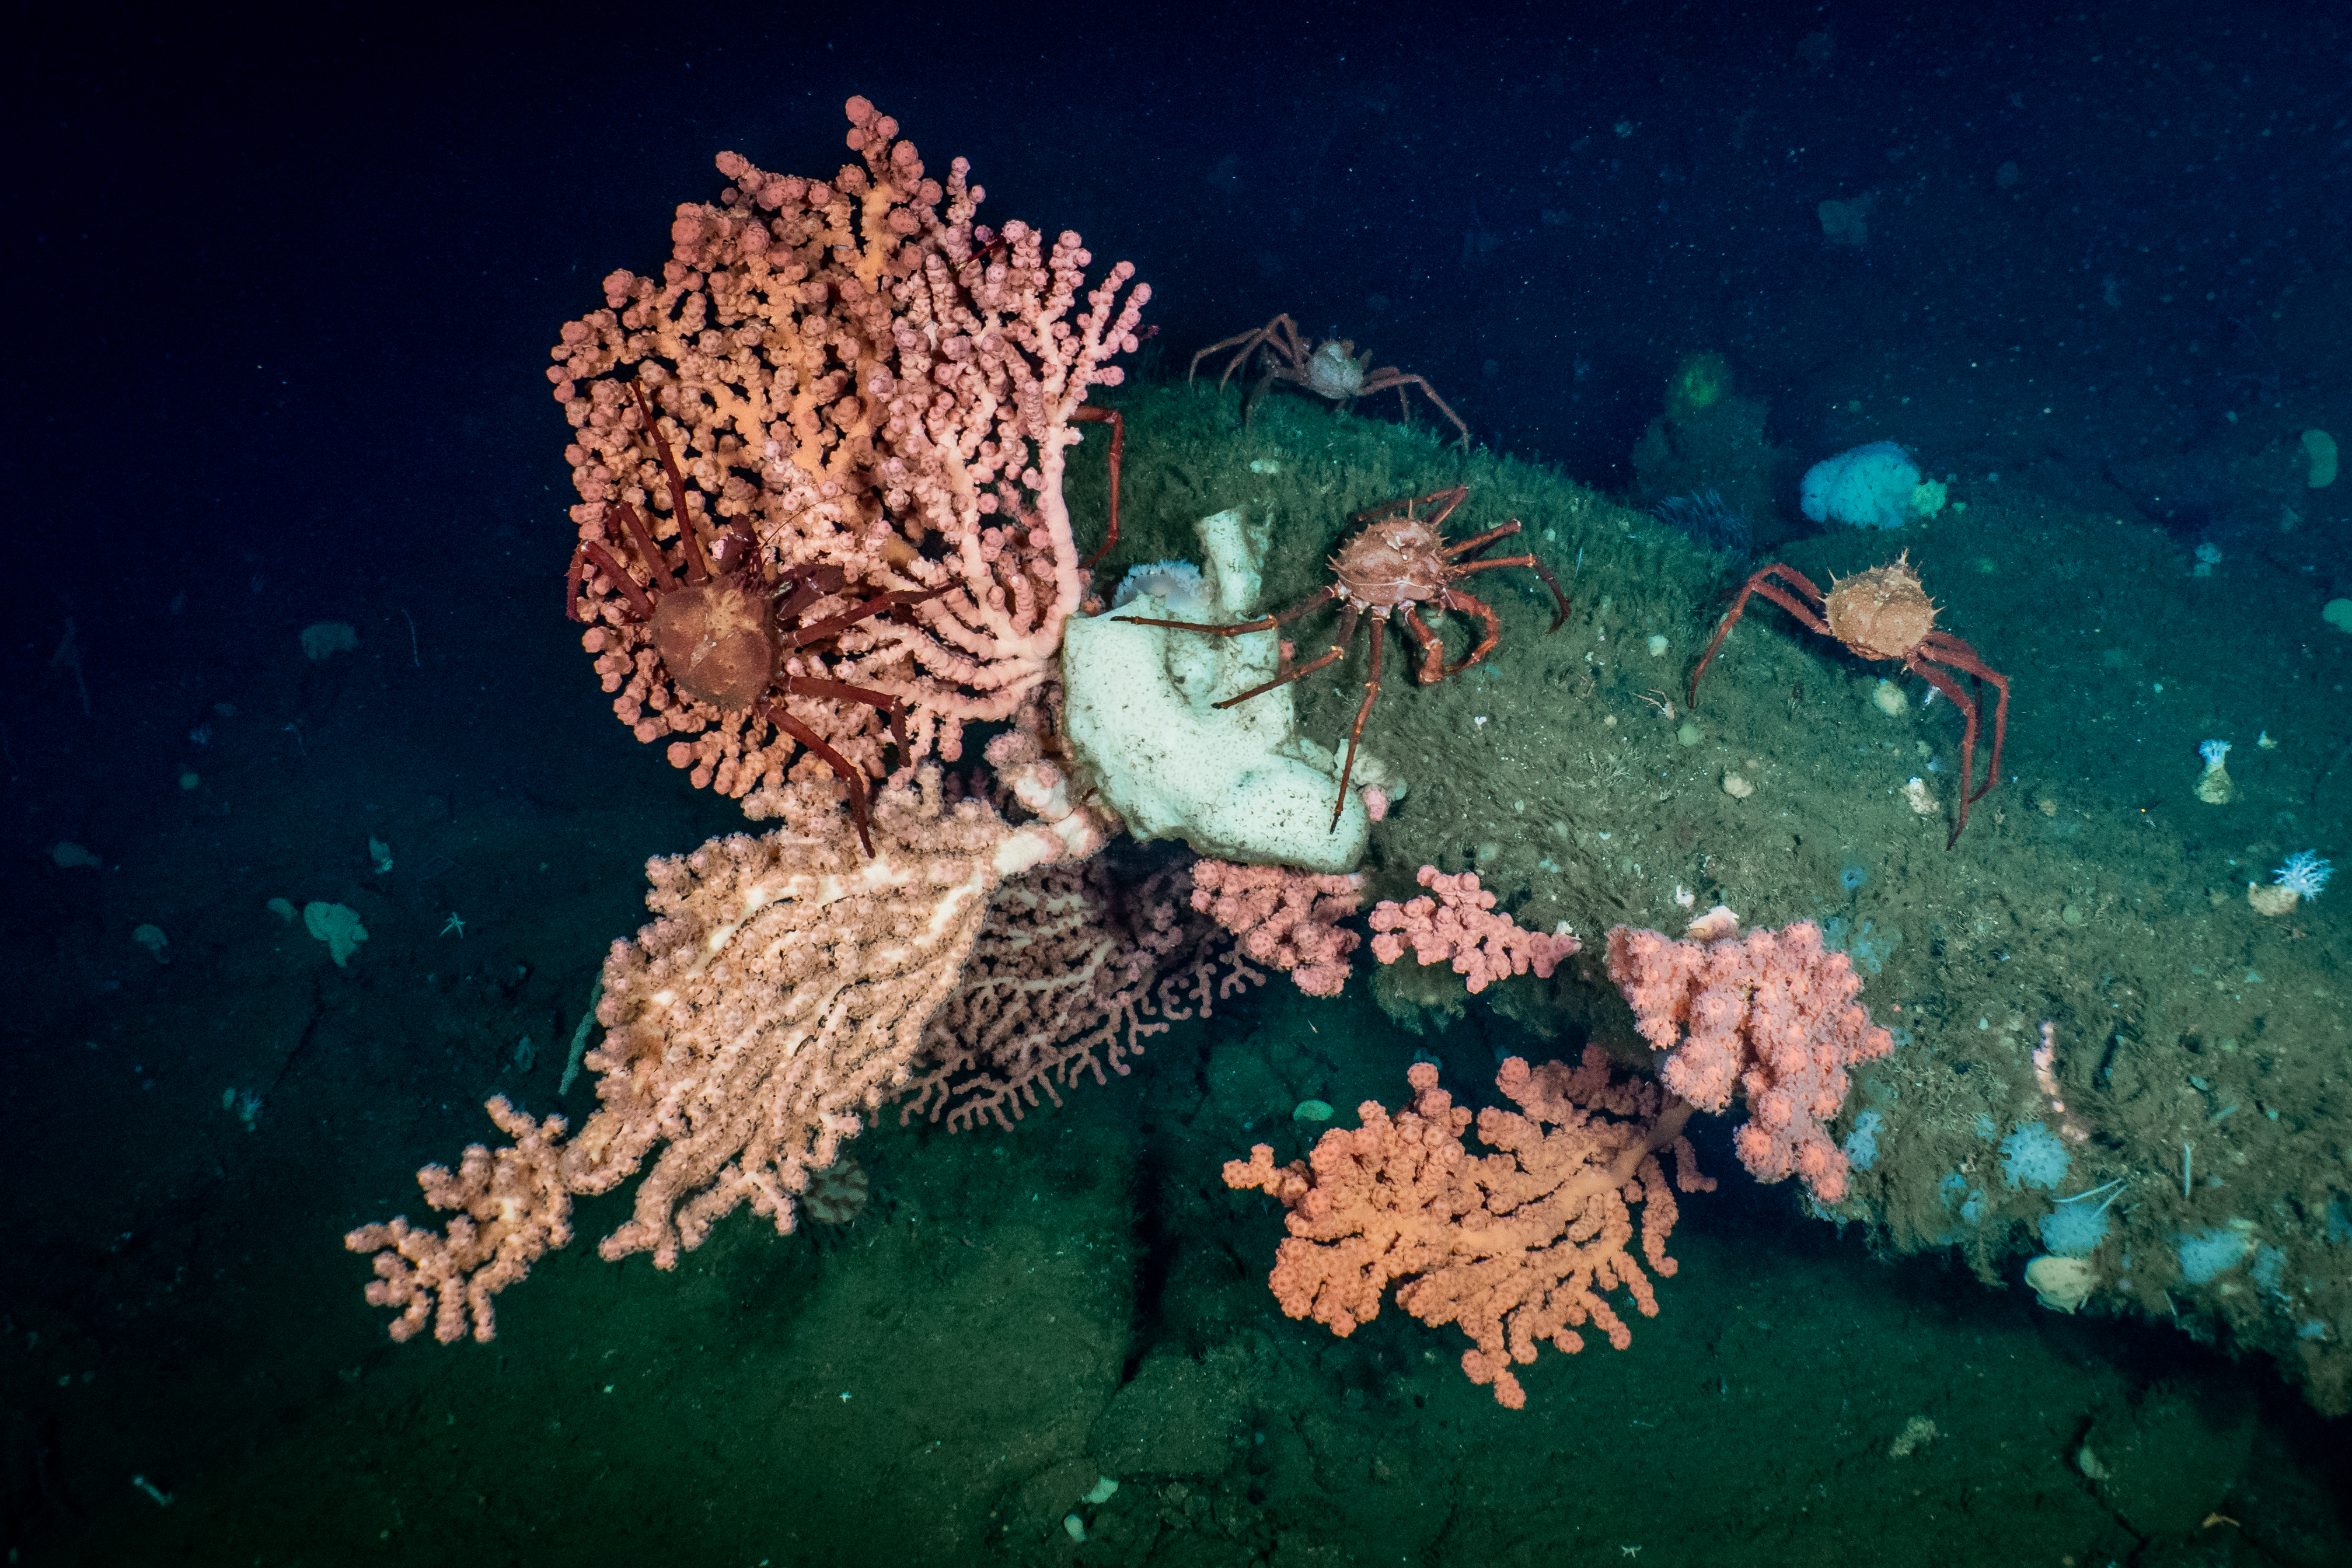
(878, 396)
(1772, 1013)
(791, 986)
(510, 1207)
(1460, 926)
(1285, 918)
(821, 453)
(1520, 1247)
(779, 999)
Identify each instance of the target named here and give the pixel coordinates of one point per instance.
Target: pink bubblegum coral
(1772, 1012)
(1520, 1247)
(1460, 924)
(778, 1000)
(875, 395)
(1283, 917)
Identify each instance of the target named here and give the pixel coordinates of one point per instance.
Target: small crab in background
(1329, 370)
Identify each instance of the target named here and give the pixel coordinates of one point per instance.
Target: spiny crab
(1884, 613)
(1396, 563)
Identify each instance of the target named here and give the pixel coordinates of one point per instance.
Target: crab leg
(1433, 652)
(639, 605)
(1356, 730)
(1757, 583)
(809, 583)
(1461, 547)
(1431, 392)
(1531, 563)
(1454, 599)
(1338, 648)
(819, 630)
(1262, 624)
(635, 523)
(1387, 509)
(1951, 688)
(575, 579)
(841, 691)
(834, 759)
(698, 559)
(1952, 650)
(1118, 452)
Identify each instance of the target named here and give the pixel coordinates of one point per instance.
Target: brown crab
(1398, 562)
(1884, 613)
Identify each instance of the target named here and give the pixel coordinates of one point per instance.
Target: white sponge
(1240, 783)
(1869, 488)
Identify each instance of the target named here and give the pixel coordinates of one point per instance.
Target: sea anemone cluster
(1706, 522)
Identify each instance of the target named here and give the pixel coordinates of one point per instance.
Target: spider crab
(1884, 613)
(1329, 370)
(1396, 563)
(723, 633)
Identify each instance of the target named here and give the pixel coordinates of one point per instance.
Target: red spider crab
(1330, 370)
(722, 635)
(1398, 562)
(1884, 613)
